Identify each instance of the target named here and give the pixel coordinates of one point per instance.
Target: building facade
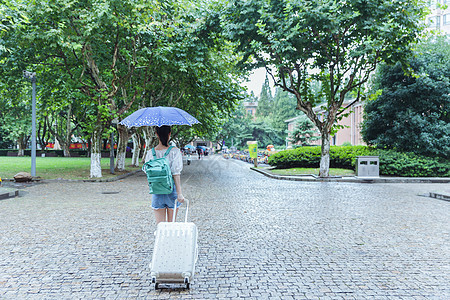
(350, 134)
(250, 108)
(439, 18)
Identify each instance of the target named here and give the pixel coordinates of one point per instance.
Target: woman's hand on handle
(180, 198)
(177, 181)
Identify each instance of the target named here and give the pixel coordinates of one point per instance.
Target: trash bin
(368, 166)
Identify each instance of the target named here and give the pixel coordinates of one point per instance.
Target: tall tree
(283, 108)
(413, 112)
(265, 100)
(338, 43)
(304, 131)
(15, 118)
(194, 69)
(96, 45)
(242, 127)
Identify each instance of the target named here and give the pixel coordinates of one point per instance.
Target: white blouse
(174, 157)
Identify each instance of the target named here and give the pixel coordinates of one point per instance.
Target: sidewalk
(259, 238)
(443, 194)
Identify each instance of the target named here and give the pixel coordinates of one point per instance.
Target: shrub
(392, 163)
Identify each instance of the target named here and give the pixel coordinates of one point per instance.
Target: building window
(434, 22)
(250, 112)
(446, 19)
(433, 4)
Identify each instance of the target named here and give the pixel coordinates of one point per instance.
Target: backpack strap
(168, 150)
(165, 154)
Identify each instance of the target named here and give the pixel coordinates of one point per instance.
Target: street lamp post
(32, 77)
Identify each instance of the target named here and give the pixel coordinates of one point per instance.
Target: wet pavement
(259, 238)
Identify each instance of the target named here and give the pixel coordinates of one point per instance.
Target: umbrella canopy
(158, 116)
(189, 146)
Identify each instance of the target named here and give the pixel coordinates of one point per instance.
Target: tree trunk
(96, 155)
(64, 145)
(121, 147)
(41, 133)
(21, 142)
(149, 137)
(68, 133)
(136, 150)
(325, 155)
(66, 150)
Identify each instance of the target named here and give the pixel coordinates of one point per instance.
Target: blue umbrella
(189, 146)
(158, 116)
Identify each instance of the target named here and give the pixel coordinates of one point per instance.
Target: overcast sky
(256, 80)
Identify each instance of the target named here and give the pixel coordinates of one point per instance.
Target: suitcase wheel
(186, 282)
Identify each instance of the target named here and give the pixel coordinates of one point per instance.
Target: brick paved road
(259, 238)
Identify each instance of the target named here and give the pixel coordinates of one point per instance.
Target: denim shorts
(165, 201)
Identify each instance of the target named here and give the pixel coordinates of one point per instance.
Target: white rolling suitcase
(175, 252)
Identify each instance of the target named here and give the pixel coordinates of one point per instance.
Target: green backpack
(158, 172)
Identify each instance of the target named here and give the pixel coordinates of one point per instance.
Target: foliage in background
(304, 132)
(413, 112)
(268, 126)
(265, 101)
(99, 61)
(392, 163)
(342, 40)
(15, 116)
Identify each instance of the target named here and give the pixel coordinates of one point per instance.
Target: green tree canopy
(304, 132)
(337, 43)
(97, 60)
(265, 100)
(413, 112)
(283, 108)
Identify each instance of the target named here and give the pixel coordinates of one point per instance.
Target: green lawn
(312, 171)
(56, 167)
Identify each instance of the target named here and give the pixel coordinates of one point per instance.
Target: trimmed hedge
(392, 163)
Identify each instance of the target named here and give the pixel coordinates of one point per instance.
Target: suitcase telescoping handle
(175, 210)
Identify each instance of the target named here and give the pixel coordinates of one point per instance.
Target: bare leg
(170, 214)
(160, 215)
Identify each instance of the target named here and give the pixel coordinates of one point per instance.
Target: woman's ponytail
(163, 134)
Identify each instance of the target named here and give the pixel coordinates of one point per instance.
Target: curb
(38, 179)
(354, 178)
(440, 196)
(6, 193)
(111, 179)
(119, 177)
